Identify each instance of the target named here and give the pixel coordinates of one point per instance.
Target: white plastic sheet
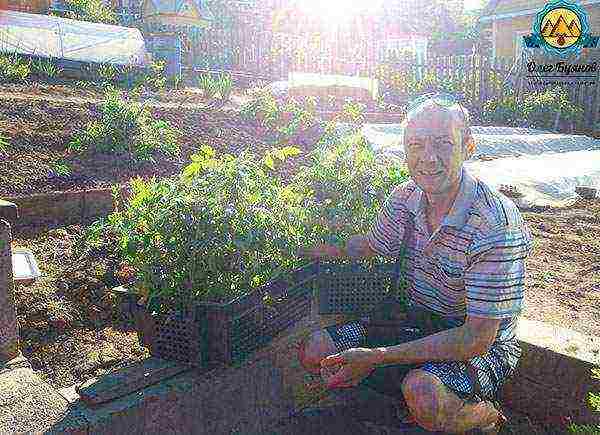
(296, 79)
(61, 38)
(544, 180)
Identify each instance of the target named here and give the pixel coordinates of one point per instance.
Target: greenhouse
(61, 38)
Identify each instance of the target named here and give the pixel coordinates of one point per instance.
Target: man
(467, 245)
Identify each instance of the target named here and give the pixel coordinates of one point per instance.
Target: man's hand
(353, 366)
(321, 251)
(356, 247)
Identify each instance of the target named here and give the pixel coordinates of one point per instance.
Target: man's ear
(468, 145)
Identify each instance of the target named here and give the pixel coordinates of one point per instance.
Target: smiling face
(437, 142)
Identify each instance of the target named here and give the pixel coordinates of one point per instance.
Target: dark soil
(40, 129)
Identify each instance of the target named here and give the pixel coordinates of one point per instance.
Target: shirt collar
(458, 214)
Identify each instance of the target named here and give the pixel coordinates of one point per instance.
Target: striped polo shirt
(473, 264)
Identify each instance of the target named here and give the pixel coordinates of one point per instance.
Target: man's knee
(427, 399)
(317, 346)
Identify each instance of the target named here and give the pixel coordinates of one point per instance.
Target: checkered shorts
(492, 368)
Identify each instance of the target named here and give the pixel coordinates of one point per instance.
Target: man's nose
(429, 153)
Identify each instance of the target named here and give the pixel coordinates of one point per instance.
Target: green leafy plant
(534, 109)
(347, 184)
(4, 144)
(208, 85)
(93, 11)
(222, 228)
(46, 68)
(154, 78)
(262, 107)
(13, 68)
(224, 86)
(287, 118)
(62, 169)
(127, 127)
(108, 73)
(594, 403)
(353, 112)
(229, 224)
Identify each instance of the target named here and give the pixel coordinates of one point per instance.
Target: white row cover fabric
(62, 38)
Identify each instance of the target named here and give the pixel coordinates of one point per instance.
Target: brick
(8, 212)
(553, 378)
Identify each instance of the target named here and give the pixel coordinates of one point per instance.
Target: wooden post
(9, 333)
(596, 106)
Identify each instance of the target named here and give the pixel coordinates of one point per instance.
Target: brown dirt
(70, 324)
(40, 129)
(563, 281)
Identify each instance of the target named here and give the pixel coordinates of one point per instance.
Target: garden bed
(40, 129)
(70, 323)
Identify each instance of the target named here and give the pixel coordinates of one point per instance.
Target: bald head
(453, 116)
(437, 141)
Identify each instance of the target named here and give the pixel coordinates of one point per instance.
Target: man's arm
(457, 344)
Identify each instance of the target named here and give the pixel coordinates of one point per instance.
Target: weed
(4, 144)
(594, 404)
(156, 78)
(572, 348)
(62, 169)
(208, 86)
(224, 86)
(108, 72)
(126, 127)
(46, 68)
(93, 11)
(353, 112)
(14, 69)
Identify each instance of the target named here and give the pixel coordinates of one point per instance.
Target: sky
(472, 4)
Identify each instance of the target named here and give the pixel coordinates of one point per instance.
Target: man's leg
(436, 408)
(315, 348)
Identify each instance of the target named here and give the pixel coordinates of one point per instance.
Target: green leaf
(290, 151)
(269, 162)
(207, 151)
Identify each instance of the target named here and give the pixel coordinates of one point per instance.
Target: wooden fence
(253, 48)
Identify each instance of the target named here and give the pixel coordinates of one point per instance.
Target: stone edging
(68, 207)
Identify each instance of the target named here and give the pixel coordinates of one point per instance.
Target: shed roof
(497, 9)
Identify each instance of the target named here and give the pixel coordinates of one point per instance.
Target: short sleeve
(495, 278)
(386, 234)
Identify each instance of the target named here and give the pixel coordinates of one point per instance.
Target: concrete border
(67, 207)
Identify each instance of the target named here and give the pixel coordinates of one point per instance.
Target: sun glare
(338, 11)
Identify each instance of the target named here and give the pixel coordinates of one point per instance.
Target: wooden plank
(125, 381)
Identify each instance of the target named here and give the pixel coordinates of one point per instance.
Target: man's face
(434, 150)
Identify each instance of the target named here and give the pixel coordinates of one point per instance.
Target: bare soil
(40, 126)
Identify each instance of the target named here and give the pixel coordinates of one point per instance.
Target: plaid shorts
(492, 368)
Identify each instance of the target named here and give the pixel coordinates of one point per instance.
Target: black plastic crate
(344, 287)
(178, 337)
(206, 333)
(234, 330)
